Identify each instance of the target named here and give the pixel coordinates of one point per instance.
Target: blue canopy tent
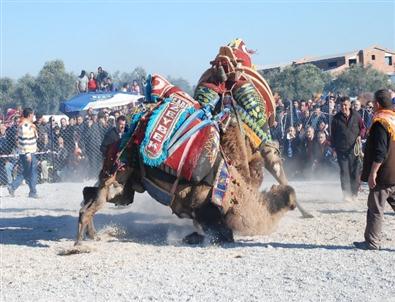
(83, 101)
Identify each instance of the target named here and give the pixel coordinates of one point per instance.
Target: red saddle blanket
(190, 157)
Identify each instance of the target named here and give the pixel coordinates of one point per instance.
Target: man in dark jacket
(113, 135)
(379, 168)
(347, 128)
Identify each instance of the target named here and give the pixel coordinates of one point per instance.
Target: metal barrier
(65, 153)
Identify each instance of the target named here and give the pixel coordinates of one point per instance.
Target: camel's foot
(78, 242)
(194, 238)
(307, 215)
(304, 213)
(92, 235)
(220, 235)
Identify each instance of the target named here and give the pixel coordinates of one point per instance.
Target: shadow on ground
(136, 227)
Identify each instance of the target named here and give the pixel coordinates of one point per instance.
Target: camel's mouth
(292, 207)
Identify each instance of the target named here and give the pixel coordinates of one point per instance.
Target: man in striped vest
(27, 147)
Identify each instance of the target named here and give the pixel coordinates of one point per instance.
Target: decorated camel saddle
(178, 136)
(233, 75)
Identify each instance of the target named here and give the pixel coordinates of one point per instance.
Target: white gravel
(141, 257)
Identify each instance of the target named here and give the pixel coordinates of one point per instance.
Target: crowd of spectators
(68, 150)
(303, 129)
(102, 81)
(72, 147)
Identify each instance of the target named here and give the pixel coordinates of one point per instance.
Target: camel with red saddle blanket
(174, 153)
(203, 158)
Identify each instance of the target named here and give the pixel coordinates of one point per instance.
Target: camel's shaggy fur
(256, 213)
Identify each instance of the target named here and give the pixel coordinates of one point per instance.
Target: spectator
(101, 78)
(347, 127)
(135, 88)
(292, 152)
(10, 147)
(89, 113)
(297, 114)
(125, 87)
(79, 129)
(42, 129)
(3, 138)
(367, 114)
(68, 135)
(276, 131)
(305, 119)
(303, 106)
(92, 84)
(299, 130)
(324, 157)
(108, 85)
(378, 168)
(55, 137)
(63, 127)
(317, 117)
(44, 159)
(113, 135)
(308, 150)
(61, 157)
(101, 122)
(92, 141)
(27, 144)
(322, 127)
(3, 151)
(82, 82)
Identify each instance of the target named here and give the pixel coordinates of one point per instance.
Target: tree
(7, 87)
(25, 92)
(139, 74)
(357, 80)
(54, 85)
(181, 83)
(297, 81)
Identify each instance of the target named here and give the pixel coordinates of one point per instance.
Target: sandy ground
(141, 256)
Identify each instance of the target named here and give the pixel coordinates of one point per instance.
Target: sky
(180, 38)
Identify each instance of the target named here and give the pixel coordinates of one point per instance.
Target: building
(379, 58)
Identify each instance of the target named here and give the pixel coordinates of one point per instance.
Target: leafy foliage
(297, 81)
(7, 87)
(357, 80)
(54, 85)
(42, 93)
(139, 74)
(181, 83)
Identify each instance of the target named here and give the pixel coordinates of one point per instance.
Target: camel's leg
(274, 164)
(93, 202)
(91, 230)
(83, 221)
(218, 232)
(196, 237)
(256, 164)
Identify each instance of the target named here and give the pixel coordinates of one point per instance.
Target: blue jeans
(9, 167)
(28, 171)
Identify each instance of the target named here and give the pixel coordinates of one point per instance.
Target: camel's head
(281, 197)
(105, 180)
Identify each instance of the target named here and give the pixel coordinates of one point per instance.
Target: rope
(358, 148)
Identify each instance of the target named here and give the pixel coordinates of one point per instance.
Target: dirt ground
(141, 256)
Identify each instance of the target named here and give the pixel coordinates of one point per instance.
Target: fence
(66, 152)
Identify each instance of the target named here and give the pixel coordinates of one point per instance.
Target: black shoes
(365, 246)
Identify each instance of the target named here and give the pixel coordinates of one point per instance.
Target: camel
(244, 210)
(193, 200)
(250, 161)
(232, 77)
